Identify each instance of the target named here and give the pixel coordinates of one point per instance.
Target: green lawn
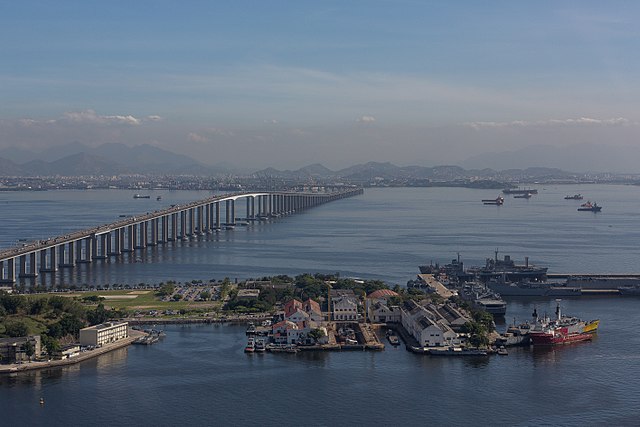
(128, 299)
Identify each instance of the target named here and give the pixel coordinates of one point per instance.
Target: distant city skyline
(259, 84)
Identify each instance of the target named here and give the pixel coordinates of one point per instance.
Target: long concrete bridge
(179, 222)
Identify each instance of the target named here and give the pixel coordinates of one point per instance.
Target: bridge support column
(8, 271)
(174, 227)
(218, 222)
(183, 225)
(51, 266)
(153, 241)
(141, 241)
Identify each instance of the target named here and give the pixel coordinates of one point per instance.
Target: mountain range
(77, 159)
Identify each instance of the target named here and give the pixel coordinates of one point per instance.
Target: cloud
(366, 119)
(154, 118)
(271, 122)
(195, 137)
(90, 116)
(582, 121)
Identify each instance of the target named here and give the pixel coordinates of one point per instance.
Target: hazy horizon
(256, 85)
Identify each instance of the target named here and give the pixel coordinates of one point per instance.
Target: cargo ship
(562, 330)
(141, 196)
(574, 197)
(520, 191)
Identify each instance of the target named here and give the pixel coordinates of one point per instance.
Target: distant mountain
(107, 159)
(575, 157)
(371, 171)
(9, 168)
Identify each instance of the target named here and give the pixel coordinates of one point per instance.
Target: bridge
(179, 222)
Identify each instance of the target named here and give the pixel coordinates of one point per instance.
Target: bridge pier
(8, 272)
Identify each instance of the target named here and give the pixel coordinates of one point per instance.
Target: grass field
(127, 299)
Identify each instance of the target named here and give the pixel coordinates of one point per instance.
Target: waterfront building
(344, 305)
(378, 309)
(288, 332)
(14, 350)
(104, 333)
(427, 326)
(380, 312)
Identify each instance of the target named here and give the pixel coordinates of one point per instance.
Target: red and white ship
(562, 330)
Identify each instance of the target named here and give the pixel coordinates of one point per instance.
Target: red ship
(562, 330)
(555, 336)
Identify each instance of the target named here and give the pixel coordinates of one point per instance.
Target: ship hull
(549, 338)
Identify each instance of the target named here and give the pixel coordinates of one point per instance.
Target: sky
(290, 83)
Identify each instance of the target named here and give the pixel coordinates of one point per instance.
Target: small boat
(393, 338)
(502, 351)
(260, 346)
(498, 201)
(251, 329)
(141, 196)
(589, 207)
(574, 197)
(291, 348)
(159, 198)
(251, 346)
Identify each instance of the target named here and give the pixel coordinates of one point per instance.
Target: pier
(179, 222)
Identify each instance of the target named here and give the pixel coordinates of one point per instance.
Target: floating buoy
(42, 400)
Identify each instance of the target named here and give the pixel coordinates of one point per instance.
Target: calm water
(199, 375)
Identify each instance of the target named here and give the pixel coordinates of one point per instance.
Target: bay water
(199, 375)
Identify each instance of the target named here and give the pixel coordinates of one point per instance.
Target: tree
(98, 316)
(51, 345)
(16, 328)
(177, 297)
(29, 349)
(205, 295)
(316, 334)
(166, 289)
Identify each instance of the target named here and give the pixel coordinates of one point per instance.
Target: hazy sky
(287, 83)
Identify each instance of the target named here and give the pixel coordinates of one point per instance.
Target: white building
(428, 327)
(380, 312)
(103, 334)
(378, 308)
(345, 308)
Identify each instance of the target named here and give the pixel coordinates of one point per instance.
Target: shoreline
(32, 366)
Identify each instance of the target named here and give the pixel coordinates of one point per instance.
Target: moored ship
(562, 330)
(508, 270)
(532, 289)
